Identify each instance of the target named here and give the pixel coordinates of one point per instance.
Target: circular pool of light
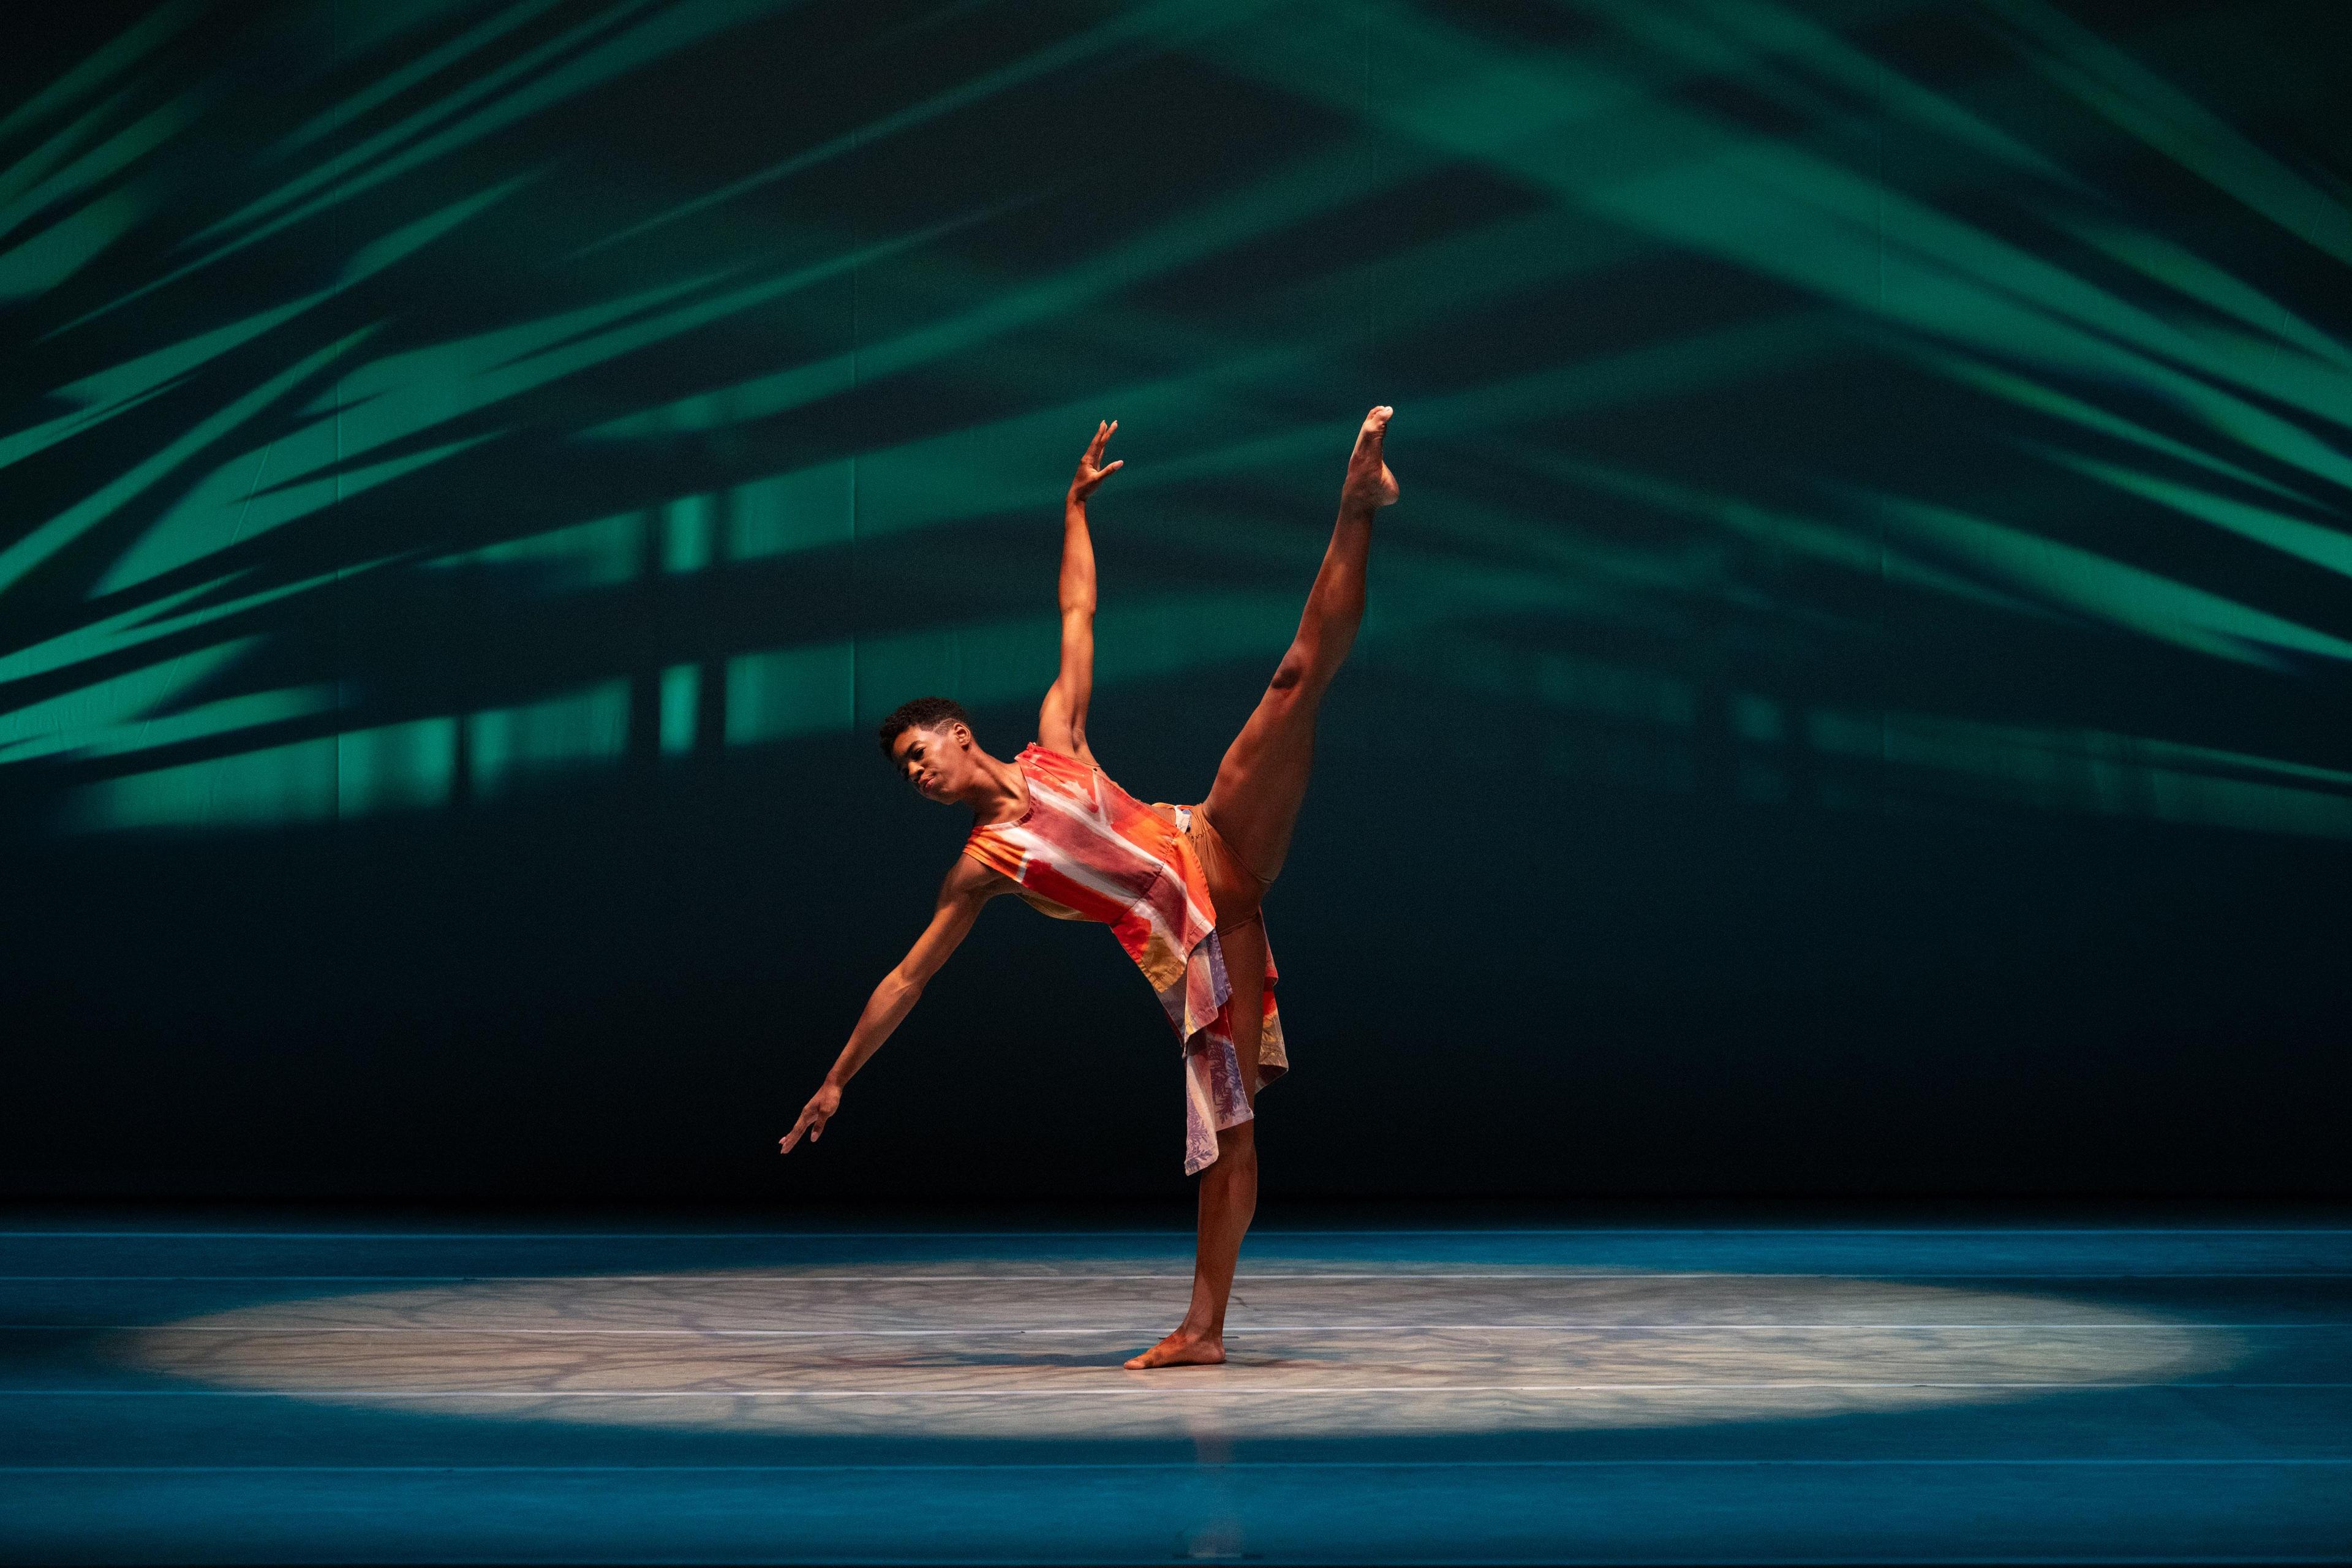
(1004, 1346)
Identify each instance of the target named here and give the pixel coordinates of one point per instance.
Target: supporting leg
(1229, 1187)
(1228, 1200)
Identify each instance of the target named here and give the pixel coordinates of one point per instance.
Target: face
(938, 763)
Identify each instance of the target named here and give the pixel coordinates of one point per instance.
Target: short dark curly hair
(922, 713)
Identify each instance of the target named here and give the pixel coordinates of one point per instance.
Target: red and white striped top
(1085, 850)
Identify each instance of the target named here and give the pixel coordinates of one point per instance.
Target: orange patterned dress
(1087, 850)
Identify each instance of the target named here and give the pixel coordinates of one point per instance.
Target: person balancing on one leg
(1179, 886)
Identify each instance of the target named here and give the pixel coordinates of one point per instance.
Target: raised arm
(1062, 720)
(967, 887)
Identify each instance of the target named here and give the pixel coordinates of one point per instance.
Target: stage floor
(180, 1391)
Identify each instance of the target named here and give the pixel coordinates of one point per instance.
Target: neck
(999, 795)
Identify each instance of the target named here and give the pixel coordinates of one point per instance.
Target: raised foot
(1182, 1348)
(1369, 485)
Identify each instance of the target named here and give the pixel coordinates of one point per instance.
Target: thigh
(1261, 781)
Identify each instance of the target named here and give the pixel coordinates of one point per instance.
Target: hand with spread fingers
(1092, 470)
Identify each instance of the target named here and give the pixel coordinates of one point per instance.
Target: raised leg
(1263, 778)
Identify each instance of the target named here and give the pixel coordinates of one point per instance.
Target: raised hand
(813, 1116)
(1092, 470)
(1368, 485)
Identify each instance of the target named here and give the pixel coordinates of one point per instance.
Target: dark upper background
(1854, 700)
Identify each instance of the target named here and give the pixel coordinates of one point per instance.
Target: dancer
(1180, 887)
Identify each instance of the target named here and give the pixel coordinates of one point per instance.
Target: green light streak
(1821, 539)
(268, 788)
(405, 766)
(395, 767)
(1787, 214)
(2128, 596)
(2070, 770)
(2156, 258)
(94, 638)
(492, 359)
(229, 505)
(788, 513)
(2093, 770)
(401, 243)
(385, 768)
(2322, 546)
(681, 689)
(150, 371)
(900, 487)
(684, 23)
(1424, 284)
(1657, 370)
(338, 33)
(2084, 770)
(44, 541)
(353, 159)
(1653, 371)
(1566, 681)
(29, 170)
(2313, 386)
(125, 386)
(65, 248)
(422, 69)
(102, 715)
(1494, 558)
(1315, 184)
(1775, 31)
(761, 398)
(112, 60)
(1154, 23)
(215, 512)
(782, 694)
(227, 716)
(1941, 277)
(2168, 120)
(513, 747)
(404, 394)
(101, 163)
(2042, 399)
(579, 556)
(146, 622)
(690, 532)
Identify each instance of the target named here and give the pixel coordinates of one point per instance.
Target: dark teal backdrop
(1855, 699)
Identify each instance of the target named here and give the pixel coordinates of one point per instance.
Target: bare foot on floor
(1182, 1348)
(1369, 485)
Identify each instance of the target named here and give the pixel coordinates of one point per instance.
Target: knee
(1237, 1149)
(1293, 671)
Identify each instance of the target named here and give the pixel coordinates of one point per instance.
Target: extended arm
(967, 887)
(1062, 720)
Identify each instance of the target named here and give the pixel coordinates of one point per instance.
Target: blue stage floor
(179, 1391)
